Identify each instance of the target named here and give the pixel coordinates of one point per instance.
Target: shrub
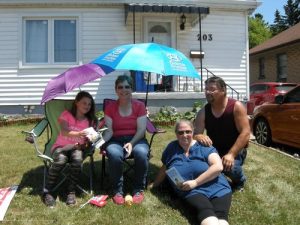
(170, 113)
(100, 114)
(167, 114)
(191, 115)
(3, 118)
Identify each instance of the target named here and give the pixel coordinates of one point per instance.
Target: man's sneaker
(138, 197)
(118, 199)
(71, 199)
(238, 187)
(48, 200)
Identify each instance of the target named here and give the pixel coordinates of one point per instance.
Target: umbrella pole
(147, 90)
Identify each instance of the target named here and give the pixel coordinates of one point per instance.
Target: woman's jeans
(236, 174)
(116, 156)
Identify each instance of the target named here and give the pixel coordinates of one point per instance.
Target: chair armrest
(32, 136)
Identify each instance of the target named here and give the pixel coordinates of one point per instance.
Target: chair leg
(92, 173)
(44, 178)
(46, 170)
(102, 172)
(146, 183)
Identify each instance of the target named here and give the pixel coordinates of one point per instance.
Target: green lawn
(271, 196)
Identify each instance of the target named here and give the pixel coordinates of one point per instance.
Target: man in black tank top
(227, 129)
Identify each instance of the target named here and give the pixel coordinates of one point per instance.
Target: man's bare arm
(199, 128)
(242, 123)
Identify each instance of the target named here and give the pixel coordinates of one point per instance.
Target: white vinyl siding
(226, 54)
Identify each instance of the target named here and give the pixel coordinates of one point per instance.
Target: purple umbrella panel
(71, 79)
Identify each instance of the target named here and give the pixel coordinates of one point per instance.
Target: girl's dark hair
(90, 114)
(121, 79)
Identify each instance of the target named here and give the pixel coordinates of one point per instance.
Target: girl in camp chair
(69, 144)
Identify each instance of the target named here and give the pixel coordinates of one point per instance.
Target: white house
(42, 38)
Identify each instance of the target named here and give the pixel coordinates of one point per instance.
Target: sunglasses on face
(181, 132)
(123, 87)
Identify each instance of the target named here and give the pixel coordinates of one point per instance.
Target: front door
(161, 31)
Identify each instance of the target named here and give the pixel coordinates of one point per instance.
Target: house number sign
(205, 37)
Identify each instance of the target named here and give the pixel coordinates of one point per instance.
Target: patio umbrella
(148, 57)
(71, 79)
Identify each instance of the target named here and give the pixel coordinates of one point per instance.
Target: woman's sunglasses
(181, 132)
(123, 87)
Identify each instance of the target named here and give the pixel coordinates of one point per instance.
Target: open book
(175, 176)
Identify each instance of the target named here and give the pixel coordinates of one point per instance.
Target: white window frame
(50, 63)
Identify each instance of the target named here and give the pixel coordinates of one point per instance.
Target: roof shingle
(288, 36)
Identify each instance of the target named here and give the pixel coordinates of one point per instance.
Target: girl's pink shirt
(73, 125)
(125, 125)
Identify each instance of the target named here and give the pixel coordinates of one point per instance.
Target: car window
(293, 96)
(259, 88)
(284, 88)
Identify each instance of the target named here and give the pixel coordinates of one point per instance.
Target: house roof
(250, 5)
(286, 37)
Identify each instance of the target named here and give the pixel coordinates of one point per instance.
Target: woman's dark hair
(90, 114)
(121, 79)
(218, 81)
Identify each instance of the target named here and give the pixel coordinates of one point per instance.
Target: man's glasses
(181, 132)
(211, 91)
(123, 87)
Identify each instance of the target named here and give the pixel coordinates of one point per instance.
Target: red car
(266, 92)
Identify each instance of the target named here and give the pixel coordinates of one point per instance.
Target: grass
(271, 196)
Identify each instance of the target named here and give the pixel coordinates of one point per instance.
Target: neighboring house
(42, 38)
(277, 59)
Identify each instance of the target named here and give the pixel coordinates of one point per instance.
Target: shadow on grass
(33, 180)
(168, 197)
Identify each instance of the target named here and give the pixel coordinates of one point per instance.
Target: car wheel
(262, 132)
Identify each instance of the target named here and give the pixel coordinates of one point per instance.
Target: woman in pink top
(126, 120)
(68, 145)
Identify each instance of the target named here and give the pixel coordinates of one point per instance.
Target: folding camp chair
(151, 129)
(53, 109)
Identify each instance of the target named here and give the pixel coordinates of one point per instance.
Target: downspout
(133, 73)
(133, 18)
(200, 43)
